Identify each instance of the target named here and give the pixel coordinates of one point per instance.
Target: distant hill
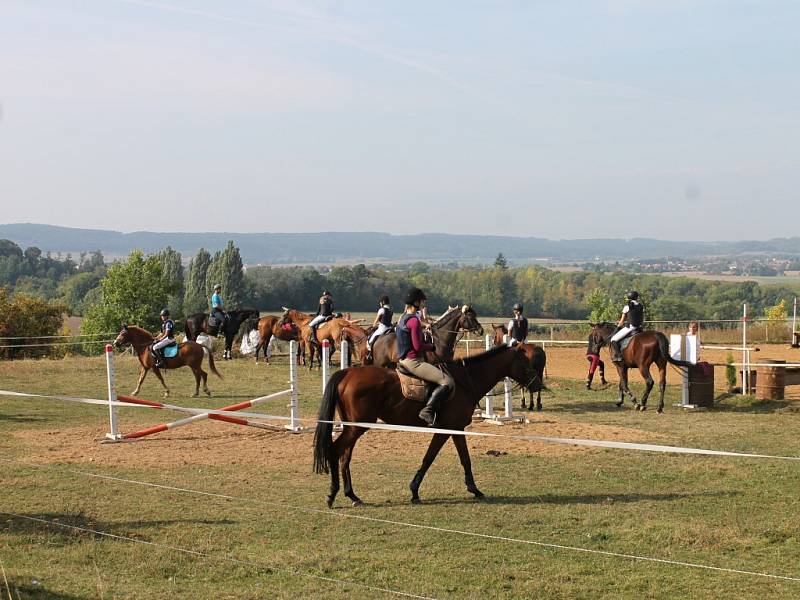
(287, 248)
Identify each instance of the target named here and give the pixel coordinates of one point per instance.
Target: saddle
(413, 387)
(623, 343)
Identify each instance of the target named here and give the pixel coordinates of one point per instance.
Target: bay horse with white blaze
(189, 354)
(198, 323)
(643, 350)
(366, 394)
(539, 363)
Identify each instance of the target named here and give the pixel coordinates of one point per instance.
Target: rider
(382, 322)
(411, 354)
(632, 318)
(324, 311)
(216, 309)
(163, 339)
(518, 326)
(593, 356)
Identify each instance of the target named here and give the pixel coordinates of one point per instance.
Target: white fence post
(745, 354)
(326, 354)
(344, 359)
(294, 410)
(114, 434)
(489, 412)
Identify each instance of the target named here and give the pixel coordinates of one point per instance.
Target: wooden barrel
(701, 385)
(770, 383)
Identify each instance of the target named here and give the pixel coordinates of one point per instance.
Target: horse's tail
(211, 363)
(663, 346)
(323, 442)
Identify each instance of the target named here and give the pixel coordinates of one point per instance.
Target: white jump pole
(294, 411)
(344, 359)
(489, 412)
(326, 353)
(509, 410)
(794, 320)
(114, 434)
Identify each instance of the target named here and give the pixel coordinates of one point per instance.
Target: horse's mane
(139, 329)
(482, 357)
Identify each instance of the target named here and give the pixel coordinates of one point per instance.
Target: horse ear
(592, 324)
(464, 309)
(124, 327)
(285, 309)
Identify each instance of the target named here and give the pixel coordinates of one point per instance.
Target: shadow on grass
(16, 419)
(34, 590)
(62, 527)
(748, 404)
(603, 499)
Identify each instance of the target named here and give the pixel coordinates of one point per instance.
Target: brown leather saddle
(413, 387)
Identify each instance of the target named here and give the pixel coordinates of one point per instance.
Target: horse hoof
(329, 501)
(477, 493)
(642, 408)
(660, 410)
(538, 409)
(358, 503)
(195, 395)
(618, 404)
(416, 500)
(208, 393)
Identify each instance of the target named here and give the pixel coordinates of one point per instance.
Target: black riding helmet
(326, 293)
(633, 295)
(165, 312)
(414, 296)
(517, 306)
(383, 299)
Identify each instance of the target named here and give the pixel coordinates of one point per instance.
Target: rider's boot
(158, 359)
(616, 353)
(431, 409)
(313, 337)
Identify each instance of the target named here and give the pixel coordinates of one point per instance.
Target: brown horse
(189, 354)
(356, 338)
(367, 394)
(444, 330)
(279, 328)
(329, 330)
(539, 362)
(644, 349)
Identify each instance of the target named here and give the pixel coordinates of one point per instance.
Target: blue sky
(616, 118)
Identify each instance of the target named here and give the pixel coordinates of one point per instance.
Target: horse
(444, 331)
(278, 327)
(357, 337)
(329, 330)
(643, 350)
(539, 362)
(189, 354)
(198, 323)
(366, 394)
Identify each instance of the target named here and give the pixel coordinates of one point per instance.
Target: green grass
(725, 512)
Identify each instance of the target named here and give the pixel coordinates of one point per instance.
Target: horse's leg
(523, 400)
(142, 375)
(433, 449)
(645, 371)
(662, 384)
(344, 463)
(196, 374)
(626, 388)
(621, 386)
(157, 372)
(538, 400)
(343, 444)
(463, 455)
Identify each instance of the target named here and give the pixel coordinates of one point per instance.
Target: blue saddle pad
(627, 340)
(171, 351)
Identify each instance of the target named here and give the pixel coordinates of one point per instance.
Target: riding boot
(313, 337)
(157, 358)
(616, 353)
(589, 381)
(431, 409)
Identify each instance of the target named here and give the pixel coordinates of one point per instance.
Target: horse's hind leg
(645, 371)
(463, 455)
(344, 462)
(523, 401)
(161, 379)
(662, 385)
(538, 400)
(622, 379)
(433, 449)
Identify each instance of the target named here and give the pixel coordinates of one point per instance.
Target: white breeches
(162, 343)
(378, 332)
(316, 320)
(622, 333)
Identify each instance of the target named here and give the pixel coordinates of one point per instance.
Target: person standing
(593, 356)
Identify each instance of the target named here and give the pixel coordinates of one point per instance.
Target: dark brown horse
(366, 394)
(644, 349)
(189, 354)
(279, 328)
(198, 323)
(539, 363)
(444, 330)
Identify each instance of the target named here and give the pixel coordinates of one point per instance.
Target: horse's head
(123, 338)
(524, 367)
(498, 332)
(599, 334)
(469, 320)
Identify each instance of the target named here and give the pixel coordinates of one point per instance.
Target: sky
(670, 119)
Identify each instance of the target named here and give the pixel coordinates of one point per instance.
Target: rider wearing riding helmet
(382, 322)
(164, 338)
(216, 308)
(411, 351)
(324, 311)
(630, 322)
(518, 326)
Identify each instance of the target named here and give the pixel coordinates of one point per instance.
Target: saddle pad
(627, 339)
(171, 351)
(413, 388)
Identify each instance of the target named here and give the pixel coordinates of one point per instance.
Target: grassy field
(217, 511)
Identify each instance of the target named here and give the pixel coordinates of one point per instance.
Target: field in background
(733, 513)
